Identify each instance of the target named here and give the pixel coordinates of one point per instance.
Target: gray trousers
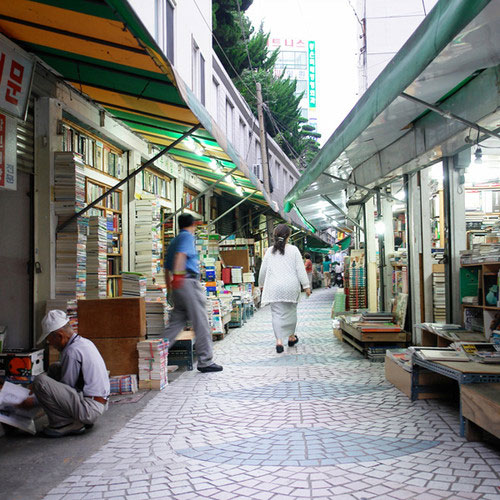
(190, 304)
(64, 404)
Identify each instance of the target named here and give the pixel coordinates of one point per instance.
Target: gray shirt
(80, 356)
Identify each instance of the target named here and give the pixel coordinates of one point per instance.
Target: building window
(169, 36)
(164, 15)
(216, 91)
(229, 120)
(243, 138)
(202, 80)
(195, 67)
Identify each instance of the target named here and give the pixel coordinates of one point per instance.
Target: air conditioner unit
(257, 171)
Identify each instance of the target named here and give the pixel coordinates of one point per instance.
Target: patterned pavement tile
(318, 421)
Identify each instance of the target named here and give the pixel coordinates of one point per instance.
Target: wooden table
(465, 372)
(362, 340)
(480, 405)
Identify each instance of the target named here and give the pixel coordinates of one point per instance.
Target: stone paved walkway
(317, 421)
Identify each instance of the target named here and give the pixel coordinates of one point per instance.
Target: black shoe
(89, 426)
(279, 349)
(211, 368)
(291, 343)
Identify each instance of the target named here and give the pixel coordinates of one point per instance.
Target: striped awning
(103, 50)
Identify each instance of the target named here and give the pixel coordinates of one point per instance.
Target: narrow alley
(317, 421)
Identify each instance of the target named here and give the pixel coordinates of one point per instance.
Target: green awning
(103, 50)
(450, 60)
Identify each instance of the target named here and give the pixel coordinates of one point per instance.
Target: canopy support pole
(198, 196)
(334, 205)
(370, 190)
(127, 178)
(450, 116)
(232, 208)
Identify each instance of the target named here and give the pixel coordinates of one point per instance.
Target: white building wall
(221, 96)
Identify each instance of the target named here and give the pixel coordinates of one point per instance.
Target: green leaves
(250, 62)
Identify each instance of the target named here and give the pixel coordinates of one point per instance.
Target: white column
(455, 228)
(48, 112)
(371, 256)
(388, 249)
(425, 209)
(415, 245)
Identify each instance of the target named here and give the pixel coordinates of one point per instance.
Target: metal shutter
(26, 142)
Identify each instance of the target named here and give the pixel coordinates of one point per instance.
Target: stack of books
(481, 252)
(133, 284)
(123, 384)
(438, 354)
(153, 364)
(439, 297)
(481, 352)
(156, 312)
(69, 197)
(96, 258)
(144, 239)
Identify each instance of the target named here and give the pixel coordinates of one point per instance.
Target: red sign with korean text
(16, 70)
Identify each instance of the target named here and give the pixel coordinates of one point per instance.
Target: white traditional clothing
(281, 276)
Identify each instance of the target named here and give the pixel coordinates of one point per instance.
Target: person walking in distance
(327, 274)
(309, 268)
(281, 275)
(188, 296)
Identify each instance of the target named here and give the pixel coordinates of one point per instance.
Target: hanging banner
(312, 73)
(8, 171)
(16, 74)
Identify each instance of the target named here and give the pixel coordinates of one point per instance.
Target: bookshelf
(158, 184)
(111, 209)
(477, 280)
(197, 206)
(96, 153)
(167, 232)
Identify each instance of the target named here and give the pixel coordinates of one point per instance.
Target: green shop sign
(311, 46)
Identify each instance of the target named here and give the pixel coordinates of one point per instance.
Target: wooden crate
(112, 318)
(481, 407)
(120, 354)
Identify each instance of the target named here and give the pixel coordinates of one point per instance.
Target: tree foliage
(251, 61)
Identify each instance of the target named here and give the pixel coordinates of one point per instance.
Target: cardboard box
(21, 366)
(401, 379)
(120, 355)
(112, 318)
(338, 333)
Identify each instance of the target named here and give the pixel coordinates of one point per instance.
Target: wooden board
(237, 258)
(112, 318)
(471, 367)
(373, 336)
(481, 405)
(120, 355)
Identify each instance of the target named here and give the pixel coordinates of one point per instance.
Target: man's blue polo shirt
(184, 242)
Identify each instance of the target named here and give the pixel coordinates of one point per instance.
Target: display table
(466, 372)
(363, 340)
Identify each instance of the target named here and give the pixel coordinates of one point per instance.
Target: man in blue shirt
(189, 298)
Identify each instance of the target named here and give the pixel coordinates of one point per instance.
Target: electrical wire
(355, 13)
(423, 6)
(243, 34)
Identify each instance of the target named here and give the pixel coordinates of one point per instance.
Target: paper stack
(439, 297)
(69, 197)
(156, 311)
(153, 364)
(96, 258)
(133, 284)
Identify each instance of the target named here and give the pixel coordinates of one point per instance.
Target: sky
(333, 25)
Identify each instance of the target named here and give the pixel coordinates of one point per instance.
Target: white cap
(53, 321)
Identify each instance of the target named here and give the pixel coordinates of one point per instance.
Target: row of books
(439, 297)
(94, 153)
(156, 185)
(479, 253)
(112, 201)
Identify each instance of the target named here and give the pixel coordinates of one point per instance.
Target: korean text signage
(311, 52)
(16, 72)
(8, 172)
